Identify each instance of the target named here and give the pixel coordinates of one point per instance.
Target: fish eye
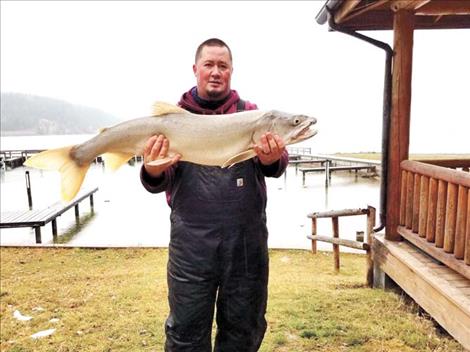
(296, 121)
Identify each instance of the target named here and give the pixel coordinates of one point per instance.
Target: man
(218, 253)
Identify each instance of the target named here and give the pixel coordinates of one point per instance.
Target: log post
(451, 217)
(467, 232)
(423, 206)
(409, 200)
(335, 246)
(441, 212)
(403, 24)
(416, 205)
(403, 197)
(314, 233)
(462, 215)
(432, 203)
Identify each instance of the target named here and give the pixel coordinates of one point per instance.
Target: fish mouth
(305, 131)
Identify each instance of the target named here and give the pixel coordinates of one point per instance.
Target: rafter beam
(345, 10)
(367, 8)
(445, 7)
(410, 5)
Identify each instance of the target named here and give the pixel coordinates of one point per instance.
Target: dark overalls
(217, 253)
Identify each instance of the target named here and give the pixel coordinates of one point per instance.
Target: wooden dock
(14, 162)
(329, 169)
(16, 157)
(299, 162)
(11, 159)
(40, 217)
(302, 157)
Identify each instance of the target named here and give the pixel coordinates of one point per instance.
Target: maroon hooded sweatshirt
(192, 102)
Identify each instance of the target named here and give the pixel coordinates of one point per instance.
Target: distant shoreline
(29, 133)
(18, 133)
(417, 156)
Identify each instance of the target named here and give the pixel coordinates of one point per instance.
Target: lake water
(127, 215)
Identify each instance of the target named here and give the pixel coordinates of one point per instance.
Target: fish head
(292, 128)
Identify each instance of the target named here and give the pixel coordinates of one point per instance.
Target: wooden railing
(334, 215)
(434, 210)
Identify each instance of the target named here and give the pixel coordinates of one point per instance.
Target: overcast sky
(122, 56)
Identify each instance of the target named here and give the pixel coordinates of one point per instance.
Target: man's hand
(156, 148)
(270, 149)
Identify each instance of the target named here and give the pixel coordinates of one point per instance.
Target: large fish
(217, 140)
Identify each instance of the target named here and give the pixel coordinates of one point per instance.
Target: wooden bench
(40, 217)
(328, 169)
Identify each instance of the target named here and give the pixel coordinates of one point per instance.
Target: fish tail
(72, 174)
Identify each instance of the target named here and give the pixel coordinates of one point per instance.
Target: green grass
(115, 300)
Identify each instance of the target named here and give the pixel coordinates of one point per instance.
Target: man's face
(213, 71)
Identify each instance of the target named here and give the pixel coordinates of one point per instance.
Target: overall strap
(240, 105)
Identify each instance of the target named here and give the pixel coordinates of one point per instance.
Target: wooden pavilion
(425, 247)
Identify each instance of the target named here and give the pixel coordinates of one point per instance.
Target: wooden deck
(439, 290)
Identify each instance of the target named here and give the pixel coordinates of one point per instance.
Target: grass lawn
(115, 300)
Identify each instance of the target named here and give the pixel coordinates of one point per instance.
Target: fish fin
(51, 159)
(72, 174)
(160, 109)
(160, 162)
(247, 154)
(114, 160)
(101, 130)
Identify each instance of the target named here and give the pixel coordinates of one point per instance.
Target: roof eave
(322, 15)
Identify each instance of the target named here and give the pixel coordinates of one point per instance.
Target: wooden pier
(303, 160)
(40, 217)
(329, 169)
(300, 162)
(16, 157)
(13, 163)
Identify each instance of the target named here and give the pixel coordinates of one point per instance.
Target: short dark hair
(212, 42)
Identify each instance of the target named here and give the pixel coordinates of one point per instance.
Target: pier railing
(435, 210)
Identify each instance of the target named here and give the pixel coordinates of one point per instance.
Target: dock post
(54, 230)
(327, 172)
(37, 232)
(91, 203)
(28, 190)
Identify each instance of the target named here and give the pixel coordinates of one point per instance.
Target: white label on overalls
(239, 182)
